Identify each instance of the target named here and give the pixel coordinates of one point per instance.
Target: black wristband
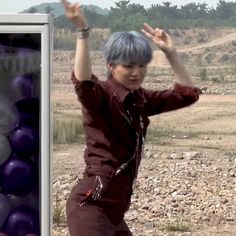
(83, 33)
(82, 29)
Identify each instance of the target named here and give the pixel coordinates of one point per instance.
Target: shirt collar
(121, 92)
(118, 89)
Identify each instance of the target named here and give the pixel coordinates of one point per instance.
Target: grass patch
(176, 227)
(154, 133)
(57, 211)
(157, 133)
(67, 130)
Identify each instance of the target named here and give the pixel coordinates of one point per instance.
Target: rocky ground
(187, 179)
(189, 191)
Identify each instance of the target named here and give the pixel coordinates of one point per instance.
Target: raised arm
(82, 66)
(165, 43)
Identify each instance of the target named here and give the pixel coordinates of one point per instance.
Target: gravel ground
(188, 191)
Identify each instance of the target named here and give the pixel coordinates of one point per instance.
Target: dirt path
(216, 42)
(159, 58)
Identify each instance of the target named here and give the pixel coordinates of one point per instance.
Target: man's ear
(110, 67)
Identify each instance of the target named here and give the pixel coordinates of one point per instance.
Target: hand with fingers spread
(159, 37)
(165, 43)
(74, 13)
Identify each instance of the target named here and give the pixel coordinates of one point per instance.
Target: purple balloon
(22, 86)
(22, 221)
(2, 234)
(4, 209)
(24, 52)
(33, 199)
(16, 201)
(35, 158)
(25, 141)
(2, 49)
(29, 59)
(4, 45)
(18, 176)
(29, 112)
(9, 116)
(27, 54)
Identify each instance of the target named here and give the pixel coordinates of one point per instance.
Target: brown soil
(207, 127)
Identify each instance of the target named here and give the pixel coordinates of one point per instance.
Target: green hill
(57, 8)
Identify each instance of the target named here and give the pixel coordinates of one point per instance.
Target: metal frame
(42, 24)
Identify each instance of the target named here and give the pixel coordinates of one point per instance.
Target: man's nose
(136, 70)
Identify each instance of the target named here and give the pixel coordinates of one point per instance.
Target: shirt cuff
(83, 83)
(187, 90)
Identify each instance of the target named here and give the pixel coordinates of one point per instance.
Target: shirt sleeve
(171, 99)
(89, 92)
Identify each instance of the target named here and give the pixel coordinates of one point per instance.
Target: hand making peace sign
(159, 37)
(74, 13)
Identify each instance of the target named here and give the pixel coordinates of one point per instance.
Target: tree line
(130, 16)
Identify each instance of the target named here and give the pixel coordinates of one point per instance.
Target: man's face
(130, 76)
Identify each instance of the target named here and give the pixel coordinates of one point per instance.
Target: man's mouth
(134, 80)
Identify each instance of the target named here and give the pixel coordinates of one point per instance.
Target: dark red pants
(90, 220)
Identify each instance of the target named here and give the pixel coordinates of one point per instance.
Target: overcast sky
(15, 6)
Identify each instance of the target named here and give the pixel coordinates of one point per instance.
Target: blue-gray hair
(127, 48)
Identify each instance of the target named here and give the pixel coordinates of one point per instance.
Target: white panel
(46, 140)
(35, 18)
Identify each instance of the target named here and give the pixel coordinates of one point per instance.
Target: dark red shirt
(115, 121)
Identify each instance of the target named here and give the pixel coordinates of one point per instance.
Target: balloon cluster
(19, 137)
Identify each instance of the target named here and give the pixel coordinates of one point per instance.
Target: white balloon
(5, 149)
(9, 115)
(4, 209)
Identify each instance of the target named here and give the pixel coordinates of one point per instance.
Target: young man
(115, 119)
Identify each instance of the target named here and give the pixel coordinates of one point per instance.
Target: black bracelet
(82, 29)
(82, 33)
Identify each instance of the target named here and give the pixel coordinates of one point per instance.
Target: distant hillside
(58, 8)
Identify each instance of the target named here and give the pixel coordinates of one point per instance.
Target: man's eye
(128, 66)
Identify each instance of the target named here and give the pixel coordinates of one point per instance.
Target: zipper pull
(122, 167)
